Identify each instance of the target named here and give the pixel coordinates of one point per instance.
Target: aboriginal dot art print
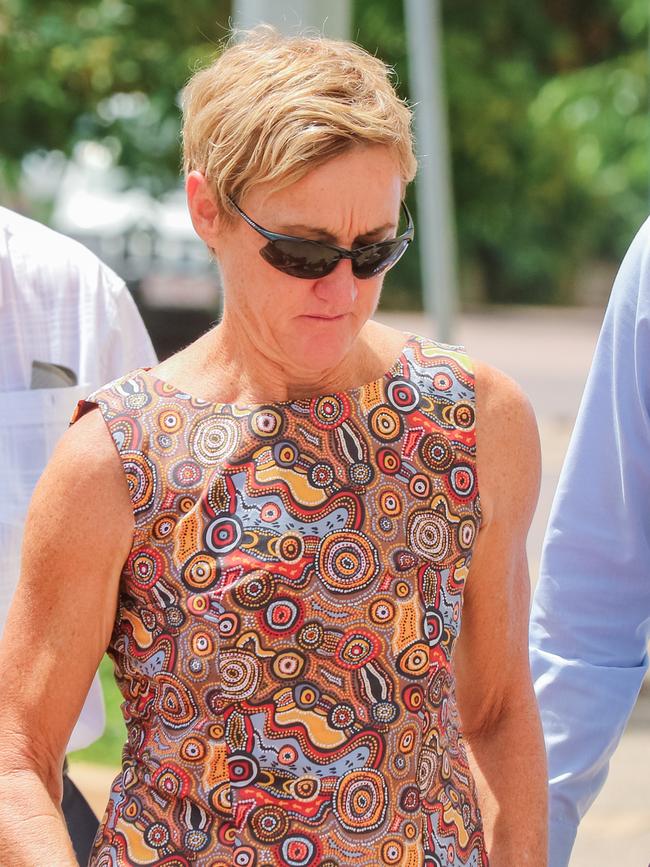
(286, 622)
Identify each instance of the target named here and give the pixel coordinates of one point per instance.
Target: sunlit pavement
(548, 351)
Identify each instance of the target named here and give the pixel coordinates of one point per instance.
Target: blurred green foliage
(548, 105)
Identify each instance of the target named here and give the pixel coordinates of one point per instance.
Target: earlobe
(202, 206)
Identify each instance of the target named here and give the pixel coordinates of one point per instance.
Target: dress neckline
(242, 408)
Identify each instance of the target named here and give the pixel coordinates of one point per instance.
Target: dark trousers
(80, 819)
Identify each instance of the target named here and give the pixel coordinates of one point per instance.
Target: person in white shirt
(67, 325)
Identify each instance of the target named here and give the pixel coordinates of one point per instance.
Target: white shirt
(590, 623)
(58, 304)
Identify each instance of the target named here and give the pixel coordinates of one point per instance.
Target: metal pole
(333, 18)
(436, 232)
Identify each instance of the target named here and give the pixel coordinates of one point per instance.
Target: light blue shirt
(591, 610)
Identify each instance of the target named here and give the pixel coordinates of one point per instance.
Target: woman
(280, 582)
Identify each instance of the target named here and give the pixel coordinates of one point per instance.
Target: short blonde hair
(270, 108)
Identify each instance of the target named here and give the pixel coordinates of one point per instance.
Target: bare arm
(78, 534)
(495, 695)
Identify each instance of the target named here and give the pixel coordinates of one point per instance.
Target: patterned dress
(286, 622)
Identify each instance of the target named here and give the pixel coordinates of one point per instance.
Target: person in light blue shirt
(590, 622)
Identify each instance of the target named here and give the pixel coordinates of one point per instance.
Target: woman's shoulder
(507, 442)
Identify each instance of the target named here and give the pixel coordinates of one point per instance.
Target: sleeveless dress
(286, 622)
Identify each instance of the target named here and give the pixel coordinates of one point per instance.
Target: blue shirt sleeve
(590, 621)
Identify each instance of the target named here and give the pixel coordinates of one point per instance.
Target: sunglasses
(300, 257)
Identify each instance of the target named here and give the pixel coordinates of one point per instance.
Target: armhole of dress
(83, 408)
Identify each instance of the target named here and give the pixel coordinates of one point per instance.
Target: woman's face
(309, 325)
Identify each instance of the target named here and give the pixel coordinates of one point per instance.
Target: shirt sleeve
(590, 621)
(127, 344)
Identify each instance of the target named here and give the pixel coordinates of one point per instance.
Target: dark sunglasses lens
(306, 259)
(377, 258)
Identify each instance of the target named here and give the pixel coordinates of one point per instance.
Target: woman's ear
(203, 208)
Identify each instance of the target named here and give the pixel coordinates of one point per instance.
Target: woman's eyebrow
(301, 229)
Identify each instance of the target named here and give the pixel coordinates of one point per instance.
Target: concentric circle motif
(382, 611)
(385, 423)
(185, 505)
(146, 566)
(442, 381)
(202, 643)
(141, 479)
(409, 799)
(200, 572)
(170, 420)
(329, 411)
(223, 534)
(306, 695)
(420, 486)
(360, 800)
(311, 635)
(388, 461)
(406, 741)
(174, 616)
(390, 503)
(413, 661)
(433, 626)
(269, 824)
(392, 851)
(193, 750)
(466, 533)
(186, 473)
(288, 665)
(243, 769)
(299, 851)
(305, 788)
(172, 780)
(321, 475)
(341, 716)
(240, 673)
(174, 702)
(427, 769)
(132, 809)
(244, 856)
(461, 480)
(403, 395)
(346, 561)
(404, 560)
(157, 835)
(266, 422)
(290, 548)
(283, 616)
(270, 512)
(288, 755)
(196, 840)
(463, 415)
(163, 526)
(436, 452)
(137, 400)
(384, 712)
(429, 535)
(360, 473)
(228, 624)
(255, 590)
(413, 698)
(356, 649)
(165, 441)
(213, 439)
(403, 590)
(198, 604)
(285, 453)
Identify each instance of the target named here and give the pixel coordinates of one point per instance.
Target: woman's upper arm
(78, 534)
(491, 658)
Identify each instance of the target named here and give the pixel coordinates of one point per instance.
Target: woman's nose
(339, 287)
